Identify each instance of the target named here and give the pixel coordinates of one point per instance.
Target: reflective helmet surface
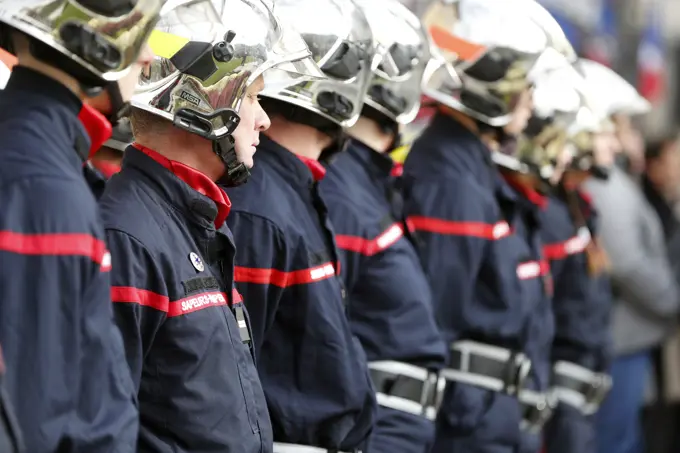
(404, 49)
(560, 93)
(103, 37)
(492, 45)
(613, 93)
(4, 75)
(208, 53)
(342, 44)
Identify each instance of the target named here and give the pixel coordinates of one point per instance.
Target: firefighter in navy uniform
(583, 297)
(564, 108)
(186, 333)
(313, 369)
(477, 237)
(65, 374)
(390, 308)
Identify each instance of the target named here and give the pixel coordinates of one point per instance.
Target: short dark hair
(144, 122)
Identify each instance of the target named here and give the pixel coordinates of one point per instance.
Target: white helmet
(492, 45)
(613, 93)
(4, 75)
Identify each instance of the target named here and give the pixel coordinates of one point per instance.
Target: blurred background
(640, 39)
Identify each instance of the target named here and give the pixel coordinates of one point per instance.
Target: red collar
(107, 169)
(97, 126)
(527, 191)
(397, 170)
(318, 170)
(196, 180)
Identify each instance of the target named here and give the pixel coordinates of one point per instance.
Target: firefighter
(477, 237)
(389, 301)
(564, 111)
(10, 435)
(65, 374)
(645, 293)
(313, 369)
(195, 115)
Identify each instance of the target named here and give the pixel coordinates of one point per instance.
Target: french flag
(651, 67)
(600, 46)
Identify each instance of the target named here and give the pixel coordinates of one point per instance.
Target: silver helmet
(102, 37)
(404, 47)
(560, 98)
(492, 45)
(342, 44)
(208, 53)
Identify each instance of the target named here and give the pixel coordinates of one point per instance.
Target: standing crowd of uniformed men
(260, 275)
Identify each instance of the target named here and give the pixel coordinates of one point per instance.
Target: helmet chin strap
(119, 107)
(235, 173)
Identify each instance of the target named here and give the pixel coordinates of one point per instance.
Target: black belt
(406, 387)
(536, 409)
(491, 367)
(580, 387)
(500, 370)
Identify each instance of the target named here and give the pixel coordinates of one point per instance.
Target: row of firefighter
(260, 274)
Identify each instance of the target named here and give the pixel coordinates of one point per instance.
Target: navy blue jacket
(66, 374)
(313, 370)
(182, 322)
(582, 298)
(390, 303)
(479, 245)
(95, 179)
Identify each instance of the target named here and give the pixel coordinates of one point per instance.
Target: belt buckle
(596, 392)
(539, 412)
(519, 368)
(433, 392)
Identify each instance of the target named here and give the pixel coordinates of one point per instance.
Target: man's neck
(186, 148)
(298, 138)
(28, 61)
(371, 134)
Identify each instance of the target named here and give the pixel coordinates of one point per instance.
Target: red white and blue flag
(651, 65)
(600, 45)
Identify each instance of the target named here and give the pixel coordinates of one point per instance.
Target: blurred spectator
(645, 291)
(661, 181)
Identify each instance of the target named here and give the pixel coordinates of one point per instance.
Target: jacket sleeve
(451, 230)
(352, 241)
(640, 274)
(139, 295)
(66, 373)
(261, 268)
